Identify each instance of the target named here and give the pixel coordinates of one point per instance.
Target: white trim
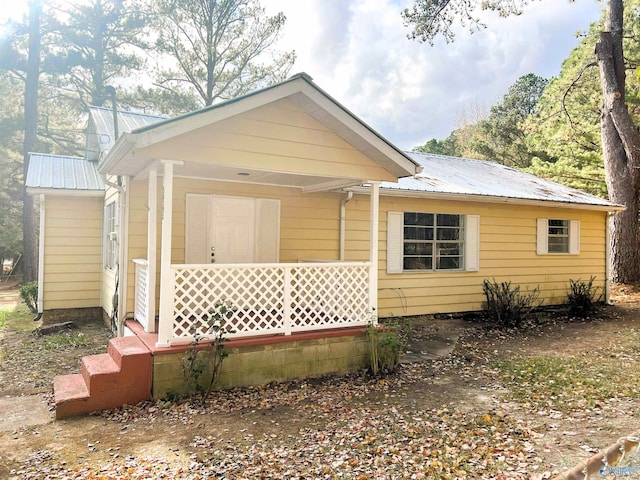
(463, 197)
(166, 274)
(542, 236)
(395, 242)
(41, 245)
(374, 227)
(123, 246)
(64, 192)
(152, 248)
(472, 243)
(574, 237)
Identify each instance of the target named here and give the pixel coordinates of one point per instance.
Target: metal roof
(102, 119)
(63, 173)
(463, 176)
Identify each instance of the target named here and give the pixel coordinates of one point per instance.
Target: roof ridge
(74, 157)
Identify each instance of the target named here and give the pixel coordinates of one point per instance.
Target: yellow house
(285, 206)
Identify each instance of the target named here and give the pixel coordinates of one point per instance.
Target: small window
(433, 241)
(558, 236)
(110, 245)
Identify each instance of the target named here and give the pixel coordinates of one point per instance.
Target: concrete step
(108, 380)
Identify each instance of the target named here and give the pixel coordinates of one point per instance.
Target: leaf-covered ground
(502, 405)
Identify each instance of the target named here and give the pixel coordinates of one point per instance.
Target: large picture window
(433, 241)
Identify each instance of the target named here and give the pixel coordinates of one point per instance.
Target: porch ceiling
(306, 183)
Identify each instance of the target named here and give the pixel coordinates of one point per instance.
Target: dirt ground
(454, 416)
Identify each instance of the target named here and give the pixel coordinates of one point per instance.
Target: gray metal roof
(102, 120)
(462, 176)
(63, 173)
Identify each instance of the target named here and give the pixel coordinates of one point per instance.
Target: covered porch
(292, 137)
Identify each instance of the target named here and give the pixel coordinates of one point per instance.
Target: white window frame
(110, 236)
(543, 234)
(395, 245)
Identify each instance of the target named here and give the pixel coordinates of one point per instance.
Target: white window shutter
(267, 230)
(197, 248)
(472, 243)
(574, 237)
(543, 236)
(395, 241)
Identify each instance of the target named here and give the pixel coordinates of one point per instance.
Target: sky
(410, 92)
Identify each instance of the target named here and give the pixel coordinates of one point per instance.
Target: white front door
(222, 229)
(232, 230)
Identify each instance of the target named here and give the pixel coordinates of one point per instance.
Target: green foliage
(583, 297)
(216, 50)
(29, 295)
(506, 305)
(447, 146)
(386, 343)
(201, 366)
(431, 18)
(65, 340)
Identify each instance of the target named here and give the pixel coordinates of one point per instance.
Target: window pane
(449, 263)
(558, 244)
(414, 218)
(418, 249)
(448, 233)
(558, 236)
(418, 263)
(448, 220)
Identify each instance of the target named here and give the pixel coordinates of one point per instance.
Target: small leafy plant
(386, 343)
(583, 297)
(198, 363)
(506, 305)
(29, 295)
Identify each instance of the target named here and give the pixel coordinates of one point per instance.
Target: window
(419, 241)
(110, 245)
(432, 241)
(558, 236)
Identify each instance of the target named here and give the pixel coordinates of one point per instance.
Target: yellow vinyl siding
(507, 253)
(278, 137)
(309, 223)
(73, 252)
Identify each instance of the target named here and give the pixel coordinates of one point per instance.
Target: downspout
(343, 222)
(41, 258)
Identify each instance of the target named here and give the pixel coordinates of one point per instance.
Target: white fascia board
(461, 197)
(120, 150)
(65, 192)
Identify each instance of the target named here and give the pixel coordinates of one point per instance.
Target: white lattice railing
(271, 298)
(141, 309)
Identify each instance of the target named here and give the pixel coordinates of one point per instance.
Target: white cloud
(359, 53)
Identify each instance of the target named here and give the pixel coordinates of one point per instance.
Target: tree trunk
(620, 149)
(30, 244)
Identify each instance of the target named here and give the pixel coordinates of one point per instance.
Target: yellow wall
(73, 252)
(309, 229)
(309, 223)
(278, 137)
(507, 253)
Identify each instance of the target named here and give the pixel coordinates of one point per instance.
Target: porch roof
(57, 174)
(136, 151)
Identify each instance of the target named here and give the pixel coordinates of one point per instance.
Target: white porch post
(373, 250)
(152, 218)
(166, 275)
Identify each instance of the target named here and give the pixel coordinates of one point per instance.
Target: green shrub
(583, 297)
(506, 305)
(386, 343)
(29, 295)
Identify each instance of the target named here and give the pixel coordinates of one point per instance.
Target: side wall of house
(309, 223)
(73, 246)
(507, 253)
